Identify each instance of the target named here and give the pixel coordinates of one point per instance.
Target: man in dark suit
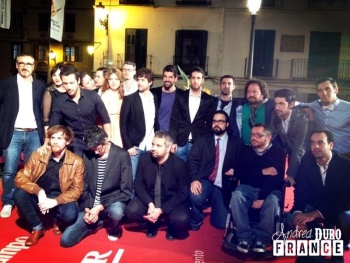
(256, 108)
(212, 175)
(161, 188)
(191, 116)
(21, 121)
(107, 189)
(166, 96)
(289, 127)
(322, 189)
(138, 118)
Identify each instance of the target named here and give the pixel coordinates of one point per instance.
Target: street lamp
(253, 6)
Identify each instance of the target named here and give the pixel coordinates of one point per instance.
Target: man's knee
(116, 210)
(19, 194)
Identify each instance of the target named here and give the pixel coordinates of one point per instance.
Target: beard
(218, 131)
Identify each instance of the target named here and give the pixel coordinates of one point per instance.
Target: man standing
(289, 126)
(100, 78)
(21, 119)
(166, 96)
(191, 115)
(211, 163)
(107, 189)
(161, 188)
(130, 85)
(257, 108)
(260, 170)
(227, 103)
(51, 183)
(138, 118)
(78, 109)
(332, 114)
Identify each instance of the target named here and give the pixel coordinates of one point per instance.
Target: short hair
(24, 55)
(58, 66)
(223, 113)
(145, 73)
(197, 69)
(171, 68)
(324, 79)
(164, 134)
(266, 127)
(227, 77)
(329, 135)
(67, 132)
(120, 77)
(82, 75)
(285, 93)
(262, 85)
(103, 69)
(94, 136)
(129, 63)
(70, 70)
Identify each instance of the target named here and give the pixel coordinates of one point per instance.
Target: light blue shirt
(222, 147)
(337, 121)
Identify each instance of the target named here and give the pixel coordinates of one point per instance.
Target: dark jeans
(27, 204)
(178, 219)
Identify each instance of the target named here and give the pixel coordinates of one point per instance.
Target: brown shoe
(34, 237)
(56, 229)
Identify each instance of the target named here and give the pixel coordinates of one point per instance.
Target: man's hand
(269, 171)
(91, 215)
(291, 180)
(154, 215)
(309, 113)
(41, 198)
(47, 204)
(43, 149)
(196, 187)
(301, 219)
(132, 151)
(174, 148)
(230, 172)
(257, 204)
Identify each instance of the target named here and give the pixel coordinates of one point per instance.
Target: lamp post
(253, 6)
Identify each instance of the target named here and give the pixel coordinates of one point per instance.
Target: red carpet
(201, 246)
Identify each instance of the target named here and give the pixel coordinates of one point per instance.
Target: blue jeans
(27, 204)
(27, 142)
(76, 232)
(218, 210)
(135, 161)
(183, 151)
(241, 200)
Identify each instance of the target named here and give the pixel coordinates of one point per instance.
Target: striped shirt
(101, 167)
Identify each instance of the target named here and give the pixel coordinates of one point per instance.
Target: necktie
(328, 107)
(157, 188)
(214, 173)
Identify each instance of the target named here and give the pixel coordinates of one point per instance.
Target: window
(136, 46)
(16, 50)
(41, 52)
(71, 54)
(69, 23)
(44, 21)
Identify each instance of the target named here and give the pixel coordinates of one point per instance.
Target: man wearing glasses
(21, 121)
(260, 170)
(211, 163)
(129, 83)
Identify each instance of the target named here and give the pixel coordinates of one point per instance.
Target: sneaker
(259, 247)
(243, 246)
(114, 235)
(6, 211)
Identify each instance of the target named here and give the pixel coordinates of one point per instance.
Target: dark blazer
(9, 106)
(294, 142)
(117, 182)
(132, 120)
(180, 123)
(175, 185)
(331, 199)
(233, 128)
(201, 161)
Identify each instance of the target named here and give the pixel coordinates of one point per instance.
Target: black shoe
(115, 234)
(151, 232)
(169, 236)
(196, 227)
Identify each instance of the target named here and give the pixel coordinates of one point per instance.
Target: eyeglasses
(219, 121)
(22, 64)
(128, 69)
(257, 135)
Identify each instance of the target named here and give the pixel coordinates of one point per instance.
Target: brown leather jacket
(71, 176)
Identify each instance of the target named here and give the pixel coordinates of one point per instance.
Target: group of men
(181, 150)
